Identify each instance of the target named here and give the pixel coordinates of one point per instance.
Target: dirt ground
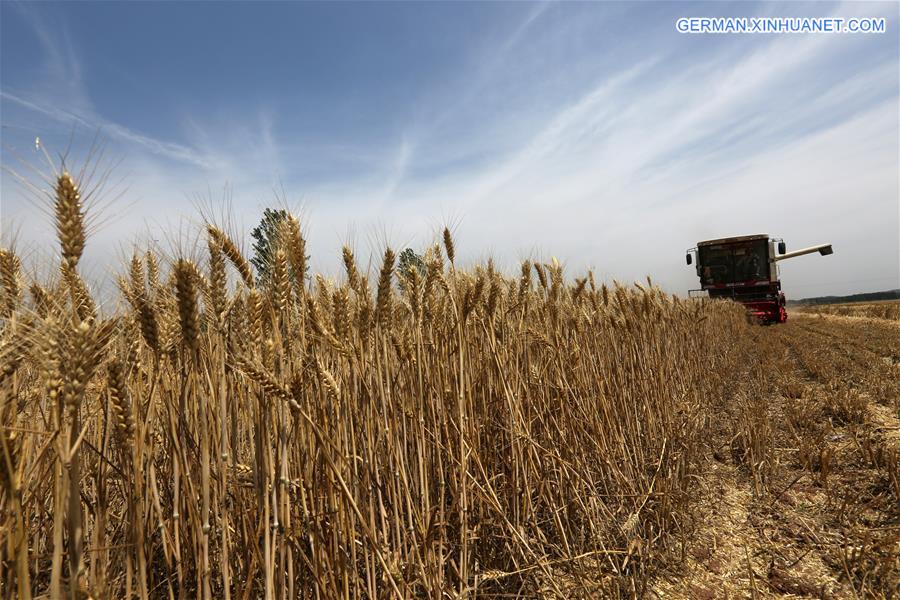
(815, 513)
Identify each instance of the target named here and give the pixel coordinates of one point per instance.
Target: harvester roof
(733, 240)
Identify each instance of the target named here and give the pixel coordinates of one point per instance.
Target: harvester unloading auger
(745, 269)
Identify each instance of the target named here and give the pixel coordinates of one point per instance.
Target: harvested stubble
(455, 433)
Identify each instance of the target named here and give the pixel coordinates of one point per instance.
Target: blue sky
(593, 132)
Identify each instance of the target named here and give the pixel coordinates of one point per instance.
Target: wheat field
(446, 432)
(882, 309)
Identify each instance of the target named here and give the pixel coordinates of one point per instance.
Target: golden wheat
(214, 439)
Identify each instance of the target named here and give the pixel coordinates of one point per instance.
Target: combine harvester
(745, 269)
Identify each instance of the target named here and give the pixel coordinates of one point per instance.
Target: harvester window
(733, 263)
(748, 266)
(716, 265)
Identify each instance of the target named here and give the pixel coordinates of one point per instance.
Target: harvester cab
(745, 269)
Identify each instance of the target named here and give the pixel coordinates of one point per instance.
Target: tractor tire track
(845, 340)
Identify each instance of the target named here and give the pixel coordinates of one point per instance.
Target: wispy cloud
(169, 150)
(62, 96)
